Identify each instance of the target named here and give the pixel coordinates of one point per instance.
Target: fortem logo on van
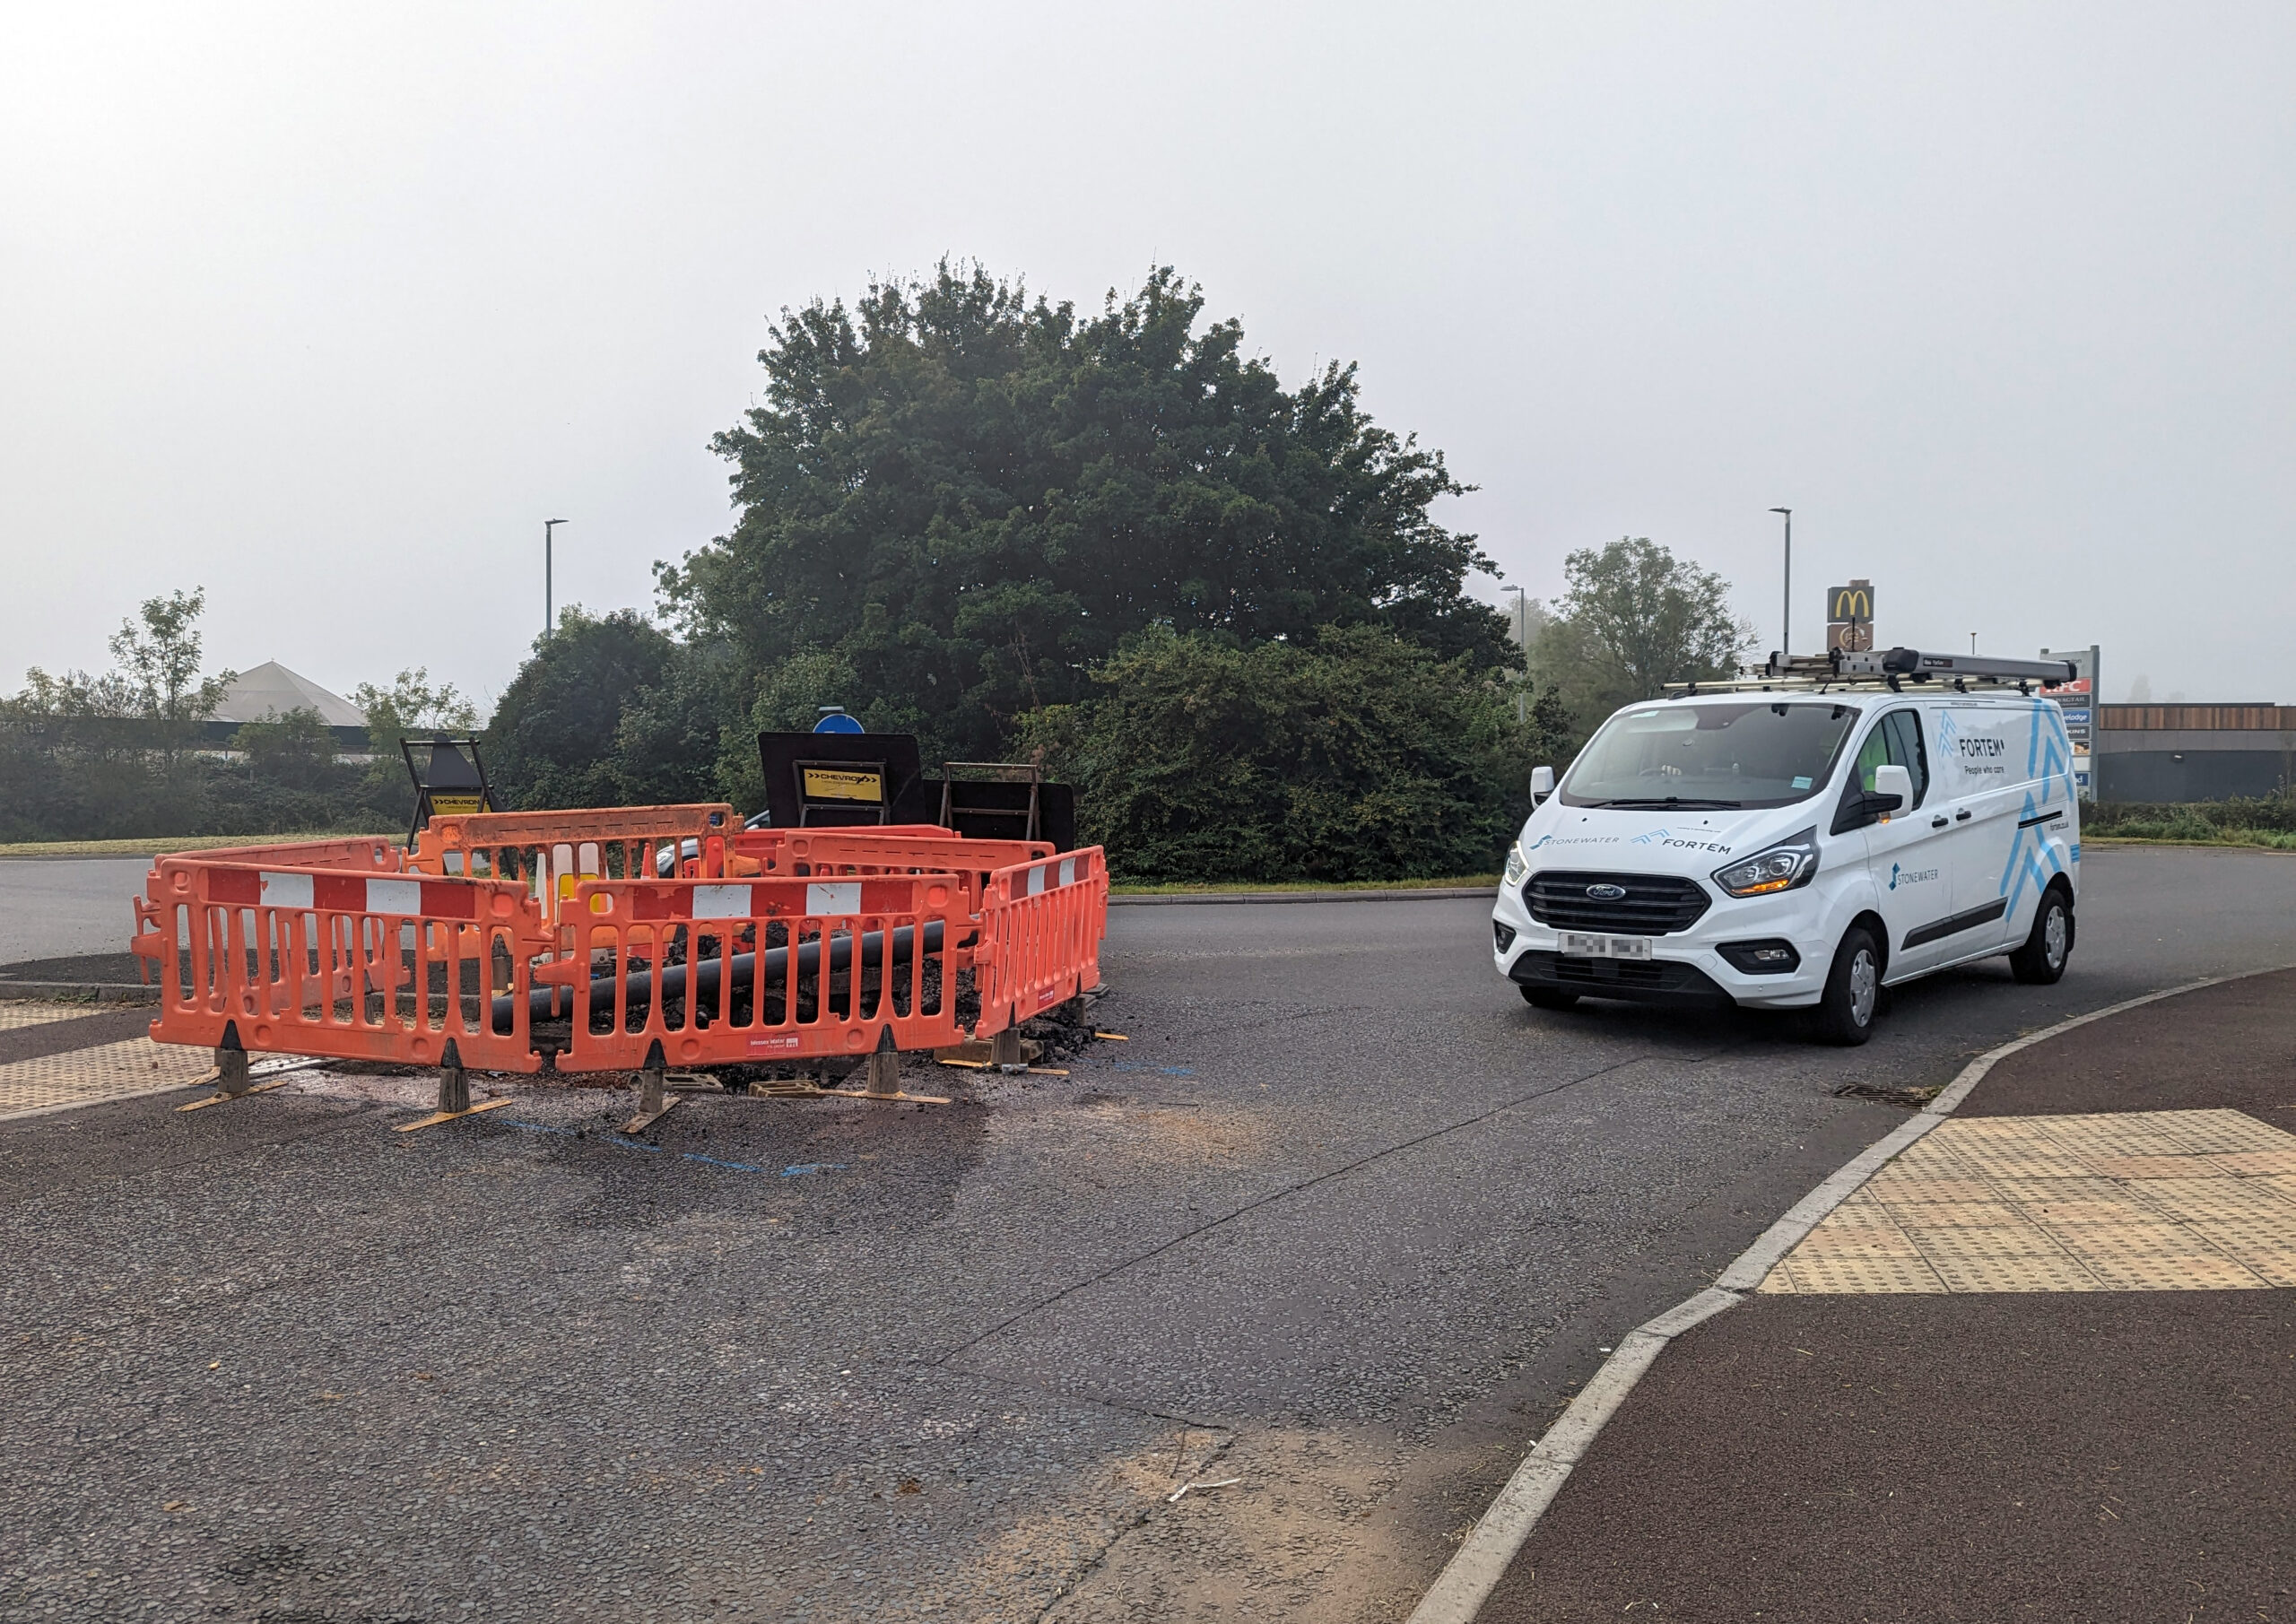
(1667, 837)
(1899, 876)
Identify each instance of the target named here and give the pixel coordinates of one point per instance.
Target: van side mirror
(1542, 784)
(1893, 790)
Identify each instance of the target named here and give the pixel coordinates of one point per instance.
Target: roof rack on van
(1890, 668)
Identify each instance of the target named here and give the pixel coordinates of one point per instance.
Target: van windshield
(1664, 756)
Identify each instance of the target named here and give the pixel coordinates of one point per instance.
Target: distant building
(270, 691)
(2193, 752)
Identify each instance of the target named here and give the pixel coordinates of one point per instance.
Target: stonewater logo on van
(1917, 876)
(1572, 840)
(1667, 837)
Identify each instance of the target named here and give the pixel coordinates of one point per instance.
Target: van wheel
(2040, 962)
(1853, 996)
(1550, 998)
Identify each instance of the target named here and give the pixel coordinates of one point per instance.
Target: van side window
(1895, 742)
(1904, 728)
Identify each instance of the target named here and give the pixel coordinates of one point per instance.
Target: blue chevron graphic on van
(2048, 760)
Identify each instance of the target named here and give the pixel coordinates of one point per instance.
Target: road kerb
(1490, 1549)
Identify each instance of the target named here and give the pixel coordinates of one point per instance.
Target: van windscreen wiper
(1671, 804)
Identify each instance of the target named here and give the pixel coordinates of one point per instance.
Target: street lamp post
(1786, 627)
(1523, 641)
(548, 617)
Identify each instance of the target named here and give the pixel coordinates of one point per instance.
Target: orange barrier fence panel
(901, 849)
(335, 961)
(764, 970)
(355, 950)
(1042, 924)
(544, 848)
(380, 857)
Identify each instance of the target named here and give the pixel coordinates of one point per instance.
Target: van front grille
(1651, 905)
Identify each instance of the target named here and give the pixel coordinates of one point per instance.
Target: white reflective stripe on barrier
(825, 898)
(721, 901)
(395, 896)
(287, 890)
(379, 896)
(1036, 880)
(1068, 870)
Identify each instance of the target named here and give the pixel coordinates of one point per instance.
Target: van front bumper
(1686, 968)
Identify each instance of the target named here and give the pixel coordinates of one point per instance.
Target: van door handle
(1961, 817)
(1938, 822)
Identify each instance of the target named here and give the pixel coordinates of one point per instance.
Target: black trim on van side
(1954, 925)
(2047, 817)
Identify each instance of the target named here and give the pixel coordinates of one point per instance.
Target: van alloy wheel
(2042, 960)
(1865, 988)
(1853, 994)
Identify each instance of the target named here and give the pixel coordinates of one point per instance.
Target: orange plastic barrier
(352, 962)
(1040, 931)
(765, 969)
(901, 848)
(534, 938)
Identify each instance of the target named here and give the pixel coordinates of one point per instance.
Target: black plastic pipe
(550, 1003)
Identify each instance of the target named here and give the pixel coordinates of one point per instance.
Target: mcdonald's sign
(1850, 603)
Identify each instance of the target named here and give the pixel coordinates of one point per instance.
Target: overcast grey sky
(327, 308)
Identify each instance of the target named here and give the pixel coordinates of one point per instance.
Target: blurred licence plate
(1576, 945)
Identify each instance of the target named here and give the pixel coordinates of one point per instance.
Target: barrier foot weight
(453, 1082)
(231, 1079)
(654, 1097)
(881, 1077)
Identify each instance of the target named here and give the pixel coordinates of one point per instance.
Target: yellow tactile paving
(2259, 1161)
(111, 1072)
(1823, 1273)
(14, 1015)
(2154, 1200)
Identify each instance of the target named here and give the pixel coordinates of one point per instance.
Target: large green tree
(1634, 619)
(955, 500)
(553, 739)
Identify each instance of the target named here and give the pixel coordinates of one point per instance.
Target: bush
(2255, 819)
(1359, 756)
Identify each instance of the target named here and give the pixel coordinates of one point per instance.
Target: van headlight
(1791, 863)
(1517, 865)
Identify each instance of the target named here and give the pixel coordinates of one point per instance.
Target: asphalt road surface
(1344, 1221)
(57, 908)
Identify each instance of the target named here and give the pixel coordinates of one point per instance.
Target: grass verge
(177, 843)
(1240, 886)
(2263, 840)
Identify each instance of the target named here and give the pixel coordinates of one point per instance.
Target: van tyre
(1550, 998)
(1853, 996)
(2040, 962)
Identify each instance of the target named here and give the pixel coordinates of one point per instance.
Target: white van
(1797, 847)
